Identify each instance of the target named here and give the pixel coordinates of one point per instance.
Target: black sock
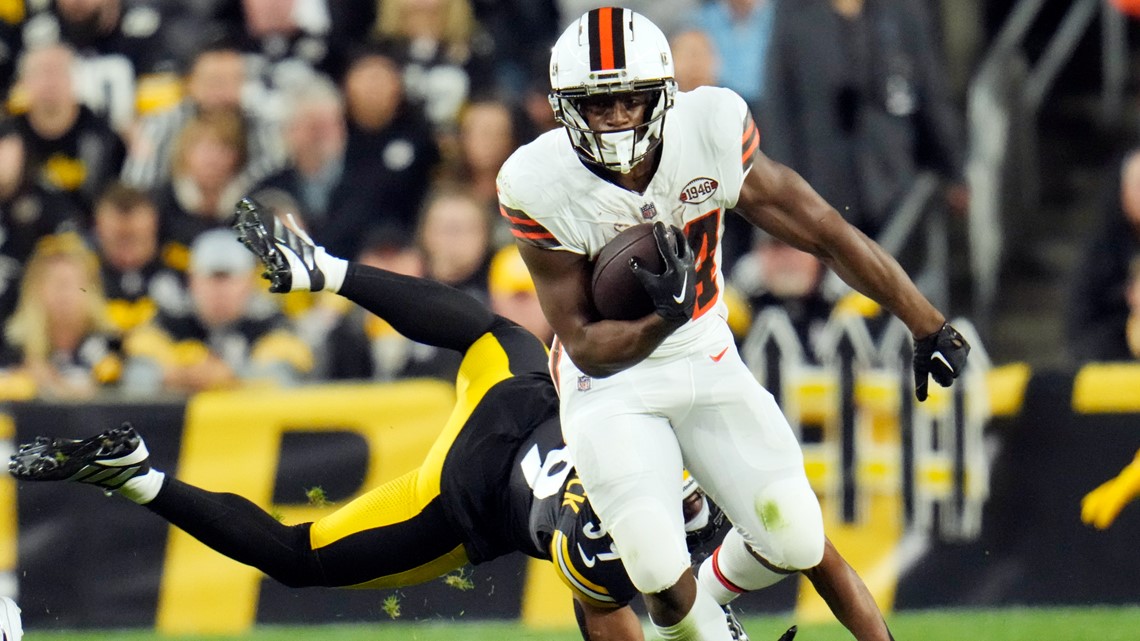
(423, 310)
(237, 528)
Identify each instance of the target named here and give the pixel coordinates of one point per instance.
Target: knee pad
(651, 545)
(792, 535)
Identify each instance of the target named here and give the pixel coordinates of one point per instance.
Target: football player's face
(615, 112)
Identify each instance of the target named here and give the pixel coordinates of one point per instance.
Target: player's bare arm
(778, 200)
(599, 347)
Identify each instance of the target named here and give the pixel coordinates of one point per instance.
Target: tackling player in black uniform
(504, 431)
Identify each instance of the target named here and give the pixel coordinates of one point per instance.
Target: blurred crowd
(134, 126)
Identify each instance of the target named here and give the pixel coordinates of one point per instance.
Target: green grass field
(1037, 624)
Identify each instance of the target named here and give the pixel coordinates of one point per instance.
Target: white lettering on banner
(947, 461)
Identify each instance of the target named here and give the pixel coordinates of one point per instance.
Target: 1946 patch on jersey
(698, 190)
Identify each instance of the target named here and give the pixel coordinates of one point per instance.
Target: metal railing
(851, 383)
(1003, 102)
(917, 235)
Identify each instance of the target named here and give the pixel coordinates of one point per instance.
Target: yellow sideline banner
(1062, 434)
(231, 441)
(8, 532)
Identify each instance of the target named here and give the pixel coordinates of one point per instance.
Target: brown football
(618, 295)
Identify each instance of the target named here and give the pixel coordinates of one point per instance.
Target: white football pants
(631, 433)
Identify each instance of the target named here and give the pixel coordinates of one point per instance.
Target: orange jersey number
(703, 235)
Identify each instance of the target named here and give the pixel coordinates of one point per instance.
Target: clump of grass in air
(391, 606)
(317, 497)
(460, 580)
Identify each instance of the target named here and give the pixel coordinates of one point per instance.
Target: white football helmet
(612, 51)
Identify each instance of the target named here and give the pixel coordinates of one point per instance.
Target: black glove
(789, 635)
(674, 291)
(942, 355)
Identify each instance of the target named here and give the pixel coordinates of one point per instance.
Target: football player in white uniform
(640, 398)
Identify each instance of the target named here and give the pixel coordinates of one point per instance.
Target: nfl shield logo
(648, 211)
(583, 383)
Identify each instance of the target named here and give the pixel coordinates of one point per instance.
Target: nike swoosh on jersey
(716, 358)
(680, 297)
(587, 559)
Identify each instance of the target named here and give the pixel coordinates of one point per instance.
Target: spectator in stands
(316, 140)
(68, 145)
(695, 59)
(455, 236)
(1098, 311)
(207, 179)
(775, 274)
(28, 212)
(534, 104)
(233, 336)
(129, 50)
(445, 54)
(60, 342)
(364, 346)
(1132, 330)
(858, 104)
(739, 31)
(138, 279)
(214, 82)
(520, 33)
(135, 29)
(512, 293)
(486, 139)
(290, 37)
(339, 202)
(388, 136)
(11, 42)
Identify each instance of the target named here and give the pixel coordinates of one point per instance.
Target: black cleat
(789, 635)
(734, 627)
(107, 460)
(290, 257)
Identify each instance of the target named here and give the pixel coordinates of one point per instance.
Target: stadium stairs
(1075, 151)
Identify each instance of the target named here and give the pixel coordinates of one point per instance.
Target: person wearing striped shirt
(216, 80)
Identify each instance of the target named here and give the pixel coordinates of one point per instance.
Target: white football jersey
(553, 201)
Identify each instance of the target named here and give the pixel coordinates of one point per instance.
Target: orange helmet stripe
(607, 38)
